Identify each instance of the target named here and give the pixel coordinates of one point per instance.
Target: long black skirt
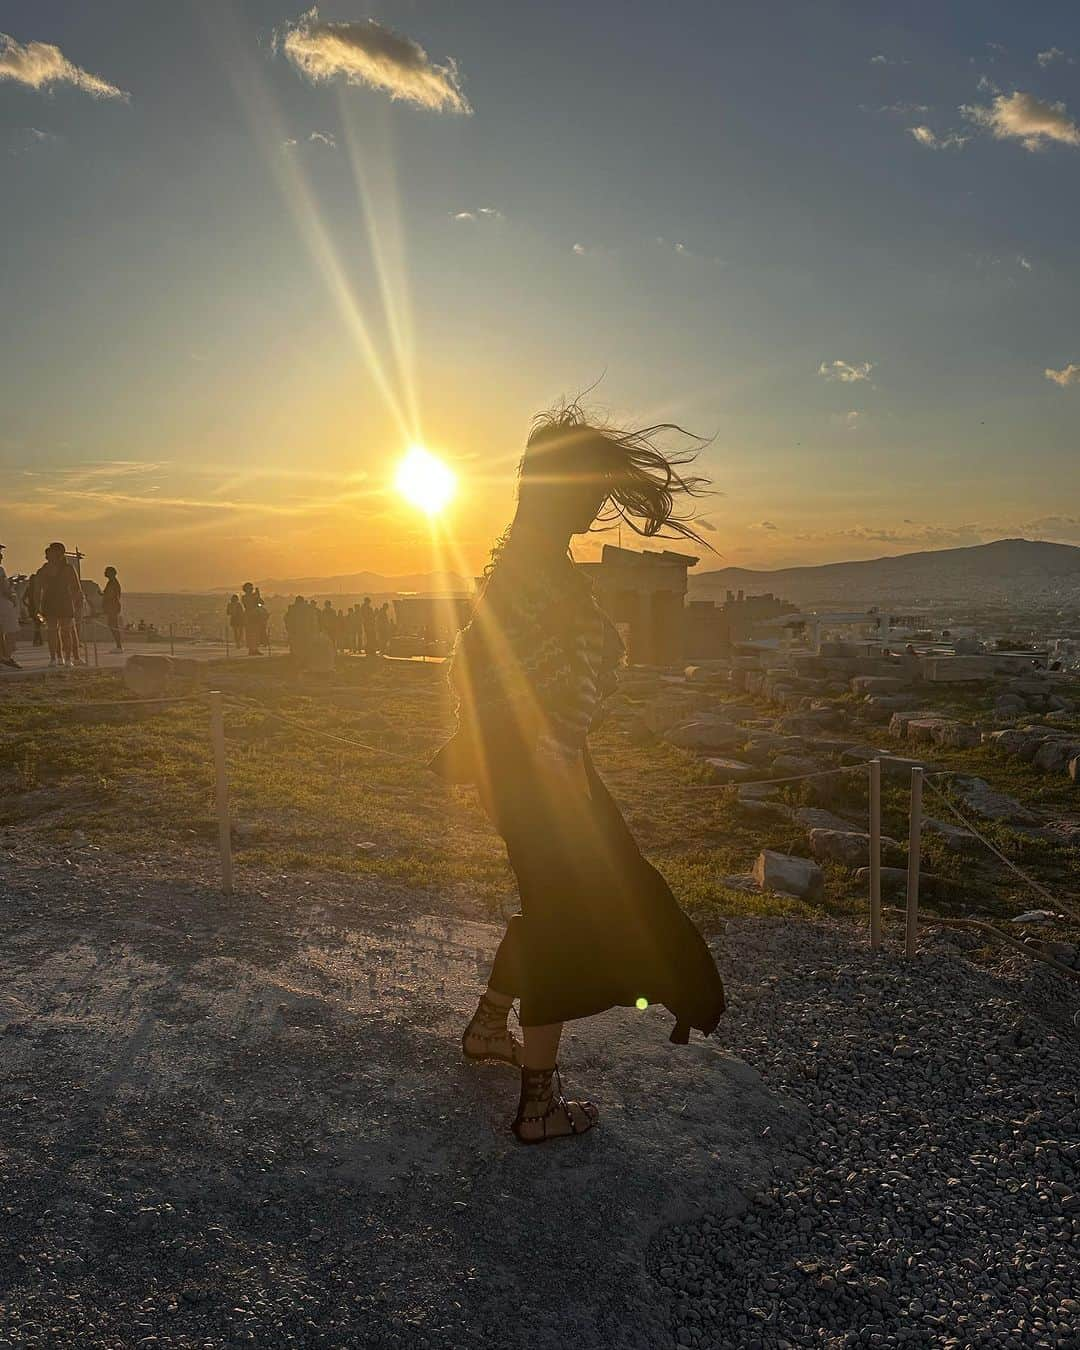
(599, 926)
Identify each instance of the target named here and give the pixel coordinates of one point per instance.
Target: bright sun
(424, 480)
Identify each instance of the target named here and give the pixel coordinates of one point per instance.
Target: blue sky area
(249, 254)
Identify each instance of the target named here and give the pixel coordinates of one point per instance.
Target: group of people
(53, 599)
(249, 619)
(361, 629)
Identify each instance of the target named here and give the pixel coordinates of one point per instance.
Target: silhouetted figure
(111, 604)
(328, 621)
(253, 620)
(234, 611)
(59, 599)
(599, 925)
(368, 631)
(383, 627)
(9, 617)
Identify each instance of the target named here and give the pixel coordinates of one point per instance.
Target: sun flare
(424, 480)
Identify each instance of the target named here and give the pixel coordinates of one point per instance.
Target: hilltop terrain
(1007, 571)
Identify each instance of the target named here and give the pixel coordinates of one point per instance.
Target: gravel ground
(245, 1121)
(933, 1195)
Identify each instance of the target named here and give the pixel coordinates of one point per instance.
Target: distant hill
(1007, 571)
(365, 583)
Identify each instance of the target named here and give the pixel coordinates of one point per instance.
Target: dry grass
(302, 803)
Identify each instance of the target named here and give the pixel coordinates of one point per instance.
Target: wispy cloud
(952, 140)
(902, 109)
(1023, 117)
(1023, 262)
(1067, 375)
(323, 138)
(478, 214)
(366, 53)
(845, 371)
(32, 138)
(40, 65)
(1048, 57)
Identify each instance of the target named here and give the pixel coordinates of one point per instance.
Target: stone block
(1054, 755)
(789, 875)
(878, 684)
(921, 729)
(729, 770)
(815, 818)
(898, 723)
(851, 848)
(149, 676)
(706, 734)
(955, 735)
(978, 796)
(790, 766)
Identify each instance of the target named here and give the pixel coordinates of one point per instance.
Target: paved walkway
(34, 661)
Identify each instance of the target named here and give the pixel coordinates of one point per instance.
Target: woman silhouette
(599, 926)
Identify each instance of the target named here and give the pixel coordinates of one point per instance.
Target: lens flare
(641, 1004)
(424, 480)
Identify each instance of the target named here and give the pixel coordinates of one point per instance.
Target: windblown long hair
(643, 483)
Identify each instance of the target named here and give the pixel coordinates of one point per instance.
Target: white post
(226, 642)
(914, 842)
(221, 783)
(172, 649)
(875, 854)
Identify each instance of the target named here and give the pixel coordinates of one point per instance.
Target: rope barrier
(774, 782)
(1006, 938)
(1036, 886)
(251, 705)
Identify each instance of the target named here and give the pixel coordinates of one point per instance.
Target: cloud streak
(366, 53)
(845, 371)
(40, 65)
(1025, 118)
(952, 140)
(1067, 375)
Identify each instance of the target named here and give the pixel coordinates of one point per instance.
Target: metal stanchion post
(221, 784)
(875, 854)
(914, 843)
(172, 649)
(226, 642)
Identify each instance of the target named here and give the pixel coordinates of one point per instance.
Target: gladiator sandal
(487, 1038)
(543, 1114)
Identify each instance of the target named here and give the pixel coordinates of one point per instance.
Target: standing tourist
(252, 619)
(368, 627)
(234, 612)
(599, 926)
(383, 627)
(59, 598)
(111, 601)
(9, 617)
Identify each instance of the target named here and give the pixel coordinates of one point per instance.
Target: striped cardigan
(539, 648)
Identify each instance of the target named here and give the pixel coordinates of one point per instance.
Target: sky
(250, 253)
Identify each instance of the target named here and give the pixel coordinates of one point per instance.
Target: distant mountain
(1007, 571)
(364, 583)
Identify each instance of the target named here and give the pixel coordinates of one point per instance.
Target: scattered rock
(789, 875)
(978, 796)
(848, 847)
(729, 770)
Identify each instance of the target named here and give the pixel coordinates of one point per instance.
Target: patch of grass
(303, 803)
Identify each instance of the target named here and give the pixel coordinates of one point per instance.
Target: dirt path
(249, 1121)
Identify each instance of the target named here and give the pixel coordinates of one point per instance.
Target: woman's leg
(487, 1036)
(53, 631)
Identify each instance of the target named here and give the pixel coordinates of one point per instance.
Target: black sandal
(535, 1090)
(488, 1022)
